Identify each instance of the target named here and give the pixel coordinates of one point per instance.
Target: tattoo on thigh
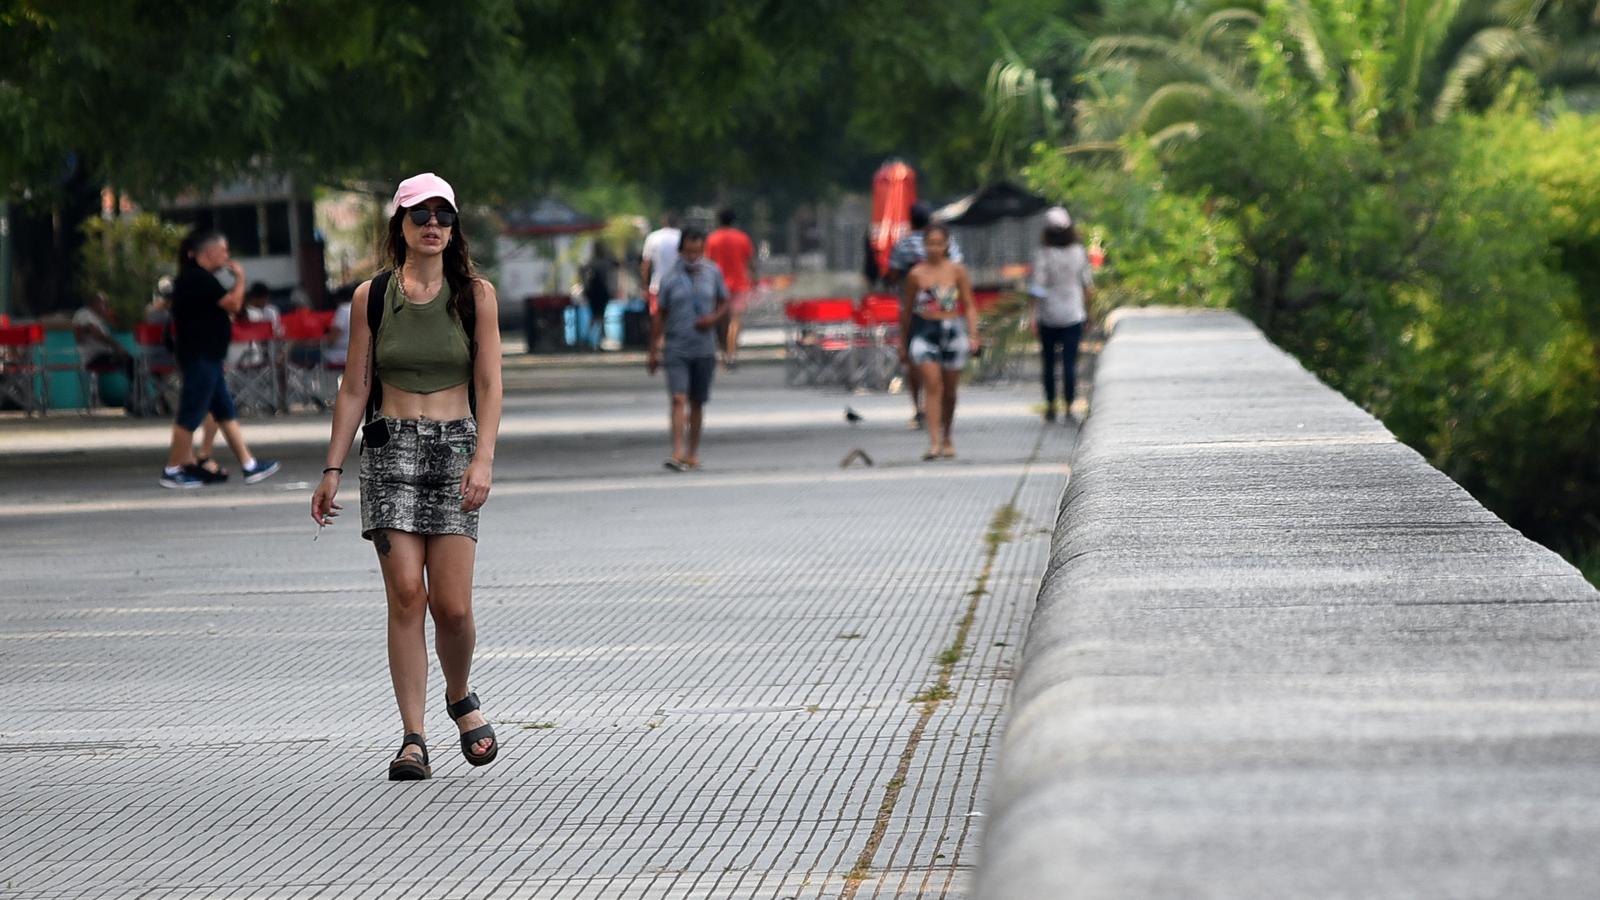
(381, 541)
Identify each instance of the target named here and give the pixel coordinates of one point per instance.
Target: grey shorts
(692, 376)
(942, 341)
(413, 482)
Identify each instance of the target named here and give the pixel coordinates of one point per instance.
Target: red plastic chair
(820, 336)
(303, 326)
(306, 376)
(22, 367)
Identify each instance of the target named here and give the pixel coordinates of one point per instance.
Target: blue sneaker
(261, 471)
(183, 479)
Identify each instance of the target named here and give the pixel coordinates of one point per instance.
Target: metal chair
(307, 377)
(156, 382)
(90, 369)
(820, 335)
(875, 358)
(253, 378)
(22, 372)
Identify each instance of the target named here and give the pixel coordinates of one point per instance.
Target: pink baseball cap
(1055, 217)
(418, 188)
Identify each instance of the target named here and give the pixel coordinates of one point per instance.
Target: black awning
(1001, 200)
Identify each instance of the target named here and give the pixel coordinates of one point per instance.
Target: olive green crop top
(422, 347)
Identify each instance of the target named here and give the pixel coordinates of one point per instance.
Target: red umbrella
(894, 189)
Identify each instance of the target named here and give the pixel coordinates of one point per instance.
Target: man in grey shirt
(683, 335)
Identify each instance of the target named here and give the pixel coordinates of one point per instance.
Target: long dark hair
(458, 271)
(1060, 237)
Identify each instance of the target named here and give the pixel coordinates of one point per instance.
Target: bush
(1447, 279)
(125, 257)
(1161, 247)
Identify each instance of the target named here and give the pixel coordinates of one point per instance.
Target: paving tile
(702, 682)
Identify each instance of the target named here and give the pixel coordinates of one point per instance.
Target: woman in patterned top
(426, 458)
(939, 331)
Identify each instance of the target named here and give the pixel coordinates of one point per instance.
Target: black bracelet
(333, 469)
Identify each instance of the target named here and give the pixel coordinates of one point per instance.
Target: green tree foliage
(508, 96)
(124, 258)
(1396, 194)
(1166, 247)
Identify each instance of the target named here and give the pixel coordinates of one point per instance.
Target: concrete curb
(1276, 654)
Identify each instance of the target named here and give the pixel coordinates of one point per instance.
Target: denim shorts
(412, 482)
(691, 375)
(205, 390)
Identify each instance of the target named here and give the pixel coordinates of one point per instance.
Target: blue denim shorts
(691, 375)
(205, 390)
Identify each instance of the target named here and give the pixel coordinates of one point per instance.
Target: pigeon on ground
(852, 416)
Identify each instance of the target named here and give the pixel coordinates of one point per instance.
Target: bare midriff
(441, 406)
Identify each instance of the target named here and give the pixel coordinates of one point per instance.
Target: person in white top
(1063, 290)
(258, 308)
(97, 349)
(660, 256)
(339, 335)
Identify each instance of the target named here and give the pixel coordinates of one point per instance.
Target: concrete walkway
(1279, 655)
(774, 678)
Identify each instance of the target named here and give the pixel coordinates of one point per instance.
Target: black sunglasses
(420, 215)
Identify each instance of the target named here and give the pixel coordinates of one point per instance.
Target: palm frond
(1169, 94)
(1019, 106)
(1183, 57)
(1175, 133)
(1087, 148)
(1487, 49)
(1573, 64)
(1222, 20)
(1304, 25)
(1422, 28)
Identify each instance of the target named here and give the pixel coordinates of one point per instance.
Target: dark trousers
(1066, 340)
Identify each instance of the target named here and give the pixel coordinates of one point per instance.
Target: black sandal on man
(410, 768)
(460, 708)
(209, 470)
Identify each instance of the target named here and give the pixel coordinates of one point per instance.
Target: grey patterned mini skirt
(412, 481)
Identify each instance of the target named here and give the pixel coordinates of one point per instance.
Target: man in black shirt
(201, 319)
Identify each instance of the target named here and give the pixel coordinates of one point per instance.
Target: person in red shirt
(732, 251)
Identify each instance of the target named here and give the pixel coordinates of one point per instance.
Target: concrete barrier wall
(1279, 655)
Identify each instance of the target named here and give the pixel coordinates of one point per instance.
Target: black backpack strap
(377, 302)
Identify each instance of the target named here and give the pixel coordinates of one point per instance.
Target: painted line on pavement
(166, 502)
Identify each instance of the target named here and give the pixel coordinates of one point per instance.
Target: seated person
(100, 352)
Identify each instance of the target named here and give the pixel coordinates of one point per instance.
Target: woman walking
(939, 331)
(1063, 288)
(428, 378)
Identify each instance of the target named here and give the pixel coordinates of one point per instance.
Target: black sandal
(409, 768)
(462, 707)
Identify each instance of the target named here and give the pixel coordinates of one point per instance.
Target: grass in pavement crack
(1001, 525)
